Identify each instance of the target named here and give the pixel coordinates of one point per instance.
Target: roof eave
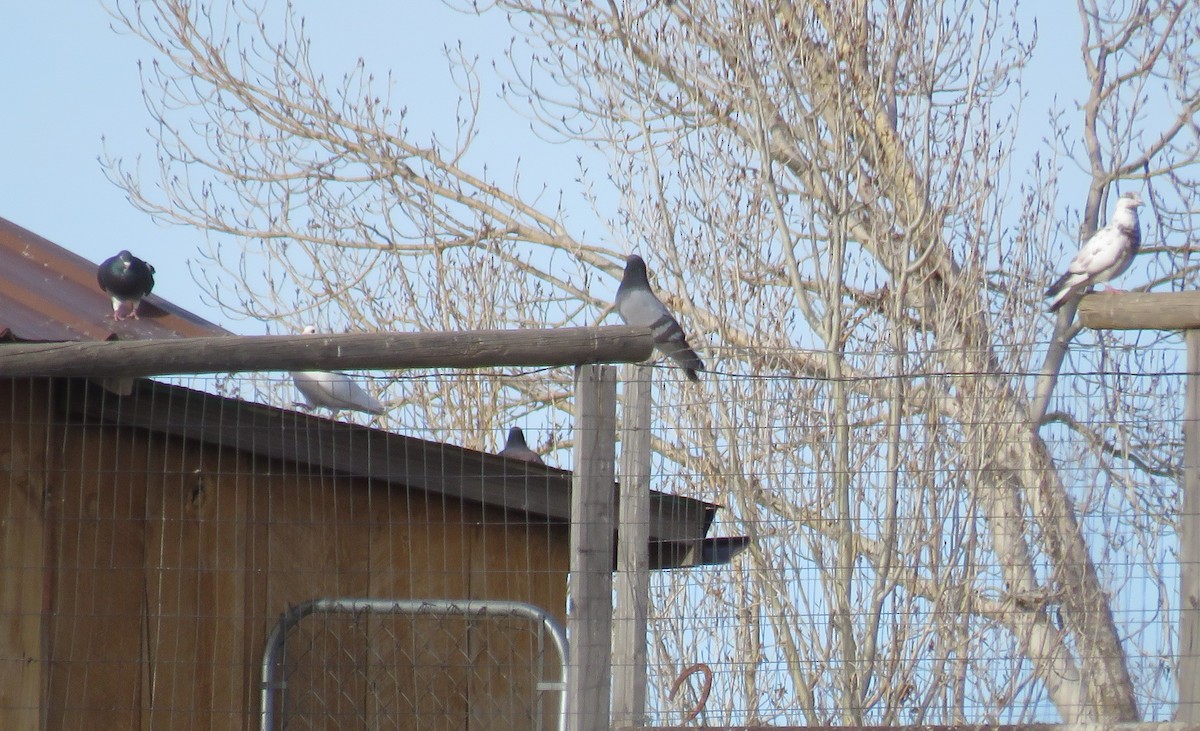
(678, 525)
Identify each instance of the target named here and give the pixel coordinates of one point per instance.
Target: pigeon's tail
(1062, 289)
(690, 362)
(678, 351)
(371, 405)
(668, 338)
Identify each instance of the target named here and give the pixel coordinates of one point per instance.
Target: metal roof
(49, 294)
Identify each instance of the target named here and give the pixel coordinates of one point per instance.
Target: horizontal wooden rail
(1141, 311)
(233, 353)
(1080, 726)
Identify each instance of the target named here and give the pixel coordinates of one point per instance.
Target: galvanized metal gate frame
(272, 686)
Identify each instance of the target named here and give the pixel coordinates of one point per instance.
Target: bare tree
(829, 196)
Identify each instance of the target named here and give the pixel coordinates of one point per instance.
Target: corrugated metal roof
(49, 294)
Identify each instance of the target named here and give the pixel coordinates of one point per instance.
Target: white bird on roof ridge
(1107, 254)
(637, 305)
(334, 391)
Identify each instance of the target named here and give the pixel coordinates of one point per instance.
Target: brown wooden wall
(23, 542)
(141, 573)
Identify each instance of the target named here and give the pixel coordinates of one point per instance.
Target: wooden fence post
(1189, 543)
(633, 560)
(1172, 311)
(589, 595)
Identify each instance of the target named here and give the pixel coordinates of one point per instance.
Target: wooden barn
(152, 542)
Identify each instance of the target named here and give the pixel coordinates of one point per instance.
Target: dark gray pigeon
(637, 305)
(127, 279)
(1107, 254)
(516, 448)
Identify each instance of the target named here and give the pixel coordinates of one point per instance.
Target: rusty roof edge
(51, 295)
(715, 551)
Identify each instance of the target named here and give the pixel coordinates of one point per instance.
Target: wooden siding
(23, 470)
(142, 572)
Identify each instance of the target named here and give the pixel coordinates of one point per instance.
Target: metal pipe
(276, 640)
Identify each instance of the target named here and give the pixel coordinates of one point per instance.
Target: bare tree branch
(828, 195)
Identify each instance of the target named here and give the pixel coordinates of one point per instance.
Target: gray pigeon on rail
(127, 279)
(516, 448)
(334, 391)
(637, 305)
(1107, 254)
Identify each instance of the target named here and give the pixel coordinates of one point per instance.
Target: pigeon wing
(1098, 260)
(145, 276)
(335, 391)
(104, 272)
(1100, 253)
(639, 307)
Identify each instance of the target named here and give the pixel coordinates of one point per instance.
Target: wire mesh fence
(906, 565)
(918, 554)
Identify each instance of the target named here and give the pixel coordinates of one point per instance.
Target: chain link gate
(428, 664)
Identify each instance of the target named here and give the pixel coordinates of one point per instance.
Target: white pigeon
(1107, 254)
(334, 391)
(516, 448)
(637, 305)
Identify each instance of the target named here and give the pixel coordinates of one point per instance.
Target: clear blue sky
(70, 80)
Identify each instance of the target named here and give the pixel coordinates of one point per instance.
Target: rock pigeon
(127, 279)
(1107, 254)
(637, 305)
(334, 391)
(516, 448)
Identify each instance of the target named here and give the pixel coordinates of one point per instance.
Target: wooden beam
(1188, 653)
(633, 561)
(1141, 310)
(1114, 726)
(1172, 311)
(589, 604)
(467, 349)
